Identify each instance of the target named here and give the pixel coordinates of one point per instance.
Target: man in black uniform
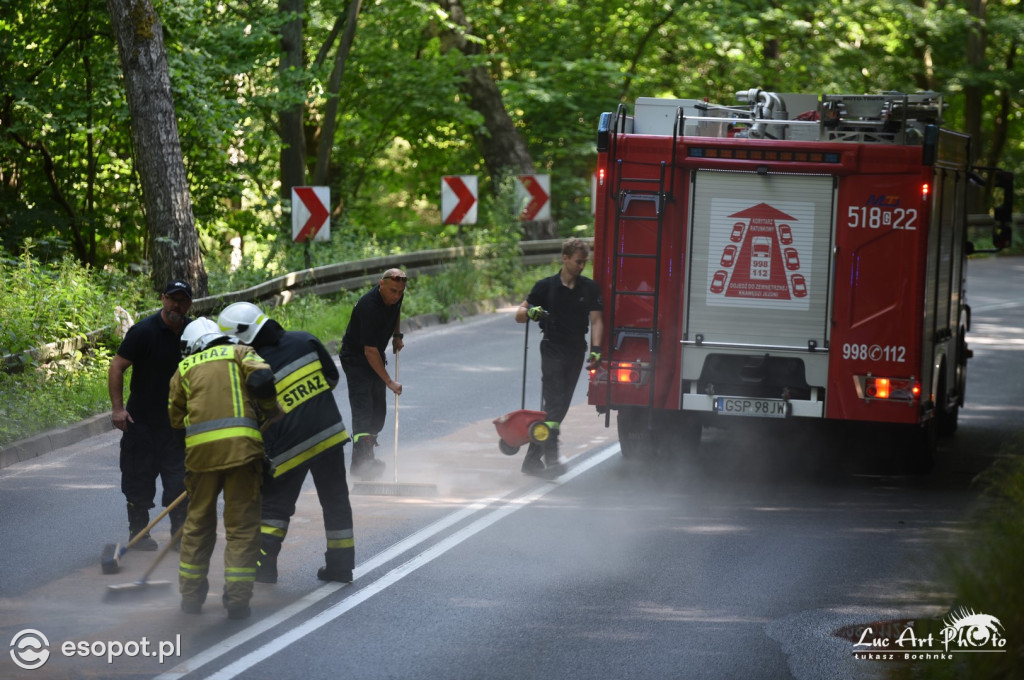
(150, 447)
(310, 438)
(563, 304)
(375, 321)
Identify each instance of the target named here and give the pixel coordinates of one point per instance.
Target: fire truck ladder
(631, 194)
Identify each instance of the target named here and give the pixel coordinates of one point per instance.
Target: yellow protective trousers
(241, 487)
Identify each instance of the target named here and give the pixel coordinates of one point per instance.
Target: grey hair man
(375, 322)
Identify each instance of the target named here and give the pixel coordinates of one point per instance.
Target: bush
(46, 303)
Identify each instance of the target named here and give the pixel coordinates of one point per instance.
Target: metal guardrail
(315, 281)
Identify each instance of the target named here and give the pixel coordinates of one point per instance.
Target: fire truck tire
(948, 420)
(635, 438)
(949, 416)
(661, 434)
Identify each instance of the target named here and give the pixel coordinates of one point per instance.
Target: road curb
(50, 441)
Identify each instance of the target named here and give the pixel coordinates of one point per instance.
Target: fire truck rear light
(626, 373)
(925, 190)
(600, 177)
(623, 373)
(878, 388)
(888, 389)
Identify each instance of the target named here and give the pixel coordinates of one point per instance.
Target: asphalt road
(743, 564)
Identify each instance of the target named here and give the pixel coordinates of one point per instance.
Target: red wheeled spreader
(522, 426)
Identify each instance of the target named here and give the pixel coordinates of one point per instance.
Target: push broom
(395, 488)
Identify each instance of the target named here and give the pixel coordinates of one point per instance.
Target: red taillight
(878, 388)
(925, 190)
(890, 389)
(633, 373)
(600, 177)
(626, 373)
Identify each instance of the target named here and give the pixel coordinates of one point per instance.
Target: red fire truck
(790, 257)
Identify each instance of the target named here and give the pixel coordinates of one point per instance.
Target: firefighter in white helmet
(309, 438)
(218, 395)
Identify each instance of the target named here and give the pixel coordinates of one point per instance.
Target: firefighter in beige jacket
(218, 394)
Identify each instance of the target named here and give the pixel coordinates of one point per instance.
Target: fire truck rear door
(760, 264)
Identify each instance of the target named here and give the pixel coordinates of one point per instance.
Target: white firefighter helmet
(242, 320)
(200, 334)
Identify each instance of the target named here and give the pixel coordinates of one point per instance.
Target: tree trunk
(174, 243)
(323, 156)
(293, 137)
(503, 148)
(977, 40)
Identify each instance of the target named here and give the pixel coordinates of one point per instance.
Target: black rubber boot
(266, 565)
(194, 603)
(551, 450)
(532, 463)
(364, 465)
(138, 518)
(236, 611)
(339, 566)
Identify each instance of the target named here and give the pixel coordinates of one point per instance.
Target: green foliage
(66, 156)
(46, 303)
(62, 392)
(326, 318)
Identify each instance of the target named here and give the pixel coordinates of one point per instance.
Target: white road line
(392, 577)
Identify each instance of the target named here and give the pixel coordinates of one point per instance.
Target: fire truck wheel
(948, 414)
(658, 434)
(948, 419)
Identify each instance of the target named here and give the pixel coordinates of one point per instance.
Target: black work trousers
(281, 493)
(560, 365)
(367, 397)
(147, 452)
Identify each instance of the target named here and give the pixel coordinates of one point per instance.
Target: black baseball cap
(178, 286)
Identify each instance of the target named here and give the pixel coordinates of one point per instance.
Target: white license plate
(741, 406)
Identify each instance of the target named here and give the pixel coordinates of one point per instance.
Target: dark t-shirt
(372, 324)
(569, 307)
(154, 350)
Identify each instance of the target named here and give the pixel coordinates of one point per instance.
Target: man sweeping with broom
(218, 394)
(375, 322)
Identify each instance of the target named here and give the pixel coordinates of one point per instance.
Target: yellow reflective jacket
(209, 397)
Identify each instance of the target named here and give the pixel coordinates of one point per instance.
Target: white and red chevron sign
(534, 194)
(458, 199)
(310, 216)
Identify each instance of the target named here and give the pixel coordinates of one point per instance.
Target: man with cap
(150, 447)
